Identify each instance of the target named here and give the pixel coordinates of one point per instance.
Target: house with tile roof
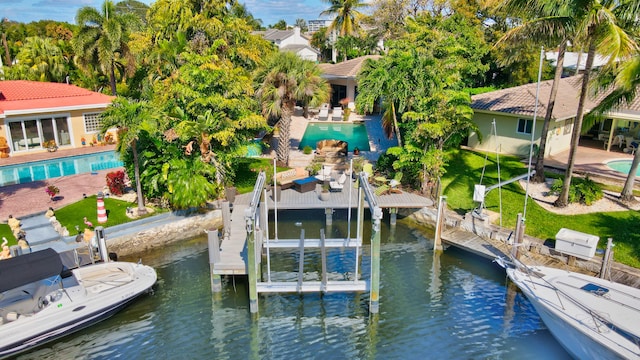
(292, 40)
(33, 114)
(342, 78)
(513, 110)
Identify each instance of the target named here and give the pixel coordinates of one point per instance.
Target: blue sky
(270, 11)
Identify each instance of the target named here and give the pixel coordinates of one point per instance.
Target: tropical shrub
(584, 191)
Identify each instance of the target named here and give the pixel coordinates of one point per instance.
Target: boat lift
(257, 239)
(481, 191)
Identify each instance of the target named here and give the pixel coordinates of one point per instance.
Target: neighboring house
(571, 59)
(32, 113)
(292, 40)
(342, 78)
(513, 110)
(315, 25)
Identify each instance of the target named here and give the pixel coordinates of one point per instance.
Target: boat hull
(79, 307)
(580, 320)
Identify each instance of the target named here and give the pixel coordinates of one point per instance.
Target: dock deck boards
(472, 243)
(233, 250)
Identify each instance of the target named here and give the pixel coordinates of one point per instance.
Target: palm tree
(39, 59)
(132, 118)
(627, 85)
(103, 36)
(285, 79)
(347, 18)
(598, 25)
(550, 24)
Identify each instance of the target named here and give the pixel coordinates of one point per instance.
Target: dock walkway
(233, 249)
(473, 243)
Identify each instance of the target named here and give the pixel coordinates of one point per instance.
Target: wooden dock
(473, 243)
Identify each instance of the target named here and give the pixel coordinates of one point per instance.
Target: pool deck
(27, 199)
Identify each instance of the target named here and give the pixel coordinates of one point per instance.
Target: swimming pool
(622, 166)
(47, 169)
(354, 134)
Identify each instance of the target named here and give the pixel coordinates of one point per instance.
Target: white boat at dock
(41, 301)
(591, 318)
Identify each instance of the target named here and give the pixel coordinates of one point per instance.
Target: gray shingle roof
(520, 100)
(346, 69)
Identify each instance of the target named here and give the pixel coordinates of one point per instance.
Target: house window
(92, 122)
(524, 126)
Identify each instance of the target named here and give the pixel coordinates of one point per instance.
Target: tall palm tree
(626, 85)
(132, 118)
(549, 23)
(285, 79)
(347, 18)
(102, 38)
(598, 24)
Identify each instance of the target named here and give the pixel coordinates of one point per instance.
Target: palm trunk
(285, 129)
(539, 176)
(395, 123)
(563, 198)
(136, 170)
(6, 50)
(627, 192)
(112, 79)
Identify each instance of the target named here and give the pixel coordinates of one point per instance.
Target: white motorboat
(41, 301)
(591, 318)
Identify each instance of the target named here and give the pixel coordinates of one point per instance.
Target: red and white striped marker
(102, 213)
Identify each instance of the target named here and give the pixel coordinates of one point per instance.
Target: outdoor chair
(337, 114)
(339, 184)
(323, 115)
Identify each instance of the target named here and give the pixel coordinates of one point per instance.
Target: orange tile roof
(22, 97)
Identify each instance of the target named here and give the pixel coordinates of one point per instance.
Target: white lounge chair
(325, 173)
(337, 114)
(323, 115)
(339, 184)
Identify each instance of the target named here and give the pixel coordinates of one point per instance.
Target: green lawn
(73, 215)
(464, 170)
(247, 170)
(5, 232)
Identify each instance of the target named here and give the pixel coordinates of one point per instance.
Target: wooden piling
(213, 241)
(252, 269)
(437, 241)
(375, 266)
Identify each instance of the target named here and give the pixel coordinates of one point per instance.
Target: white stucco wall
(308, 54)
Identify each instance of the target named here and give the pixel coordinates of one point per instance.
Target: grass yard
(5, 232)
(73, 215)
(464, 171)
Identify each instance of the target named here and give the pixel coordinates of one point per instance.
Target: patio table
(306, 184)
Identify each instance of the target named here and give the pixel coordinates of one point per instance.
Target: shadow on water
(432, 305)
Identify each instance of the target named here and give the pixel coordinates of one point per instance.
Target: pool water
(47, 169)
(622, 166)
(354, 134)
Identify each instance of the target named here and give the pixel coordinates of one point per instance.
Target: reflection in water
(449, 305)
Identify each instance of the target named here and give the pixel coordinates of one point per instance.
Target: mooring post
(252, 267)
(437, 241)
(375, 262)
(226, 219)
(213, 240)
(323, 254)
(393, 216)
(328, 213)
(301, 261)
(606, 260)
(515, 251)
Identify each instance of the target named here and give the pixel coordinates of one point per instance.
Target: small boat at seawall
(41, 301)
(591, 318)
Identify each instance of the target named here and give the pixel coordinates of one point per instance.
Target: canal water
(449, 306)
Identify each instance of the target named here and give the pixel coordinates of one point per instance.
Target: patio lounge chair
(325, 173)
(323, 115)
(337, 114)
(339, 184)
